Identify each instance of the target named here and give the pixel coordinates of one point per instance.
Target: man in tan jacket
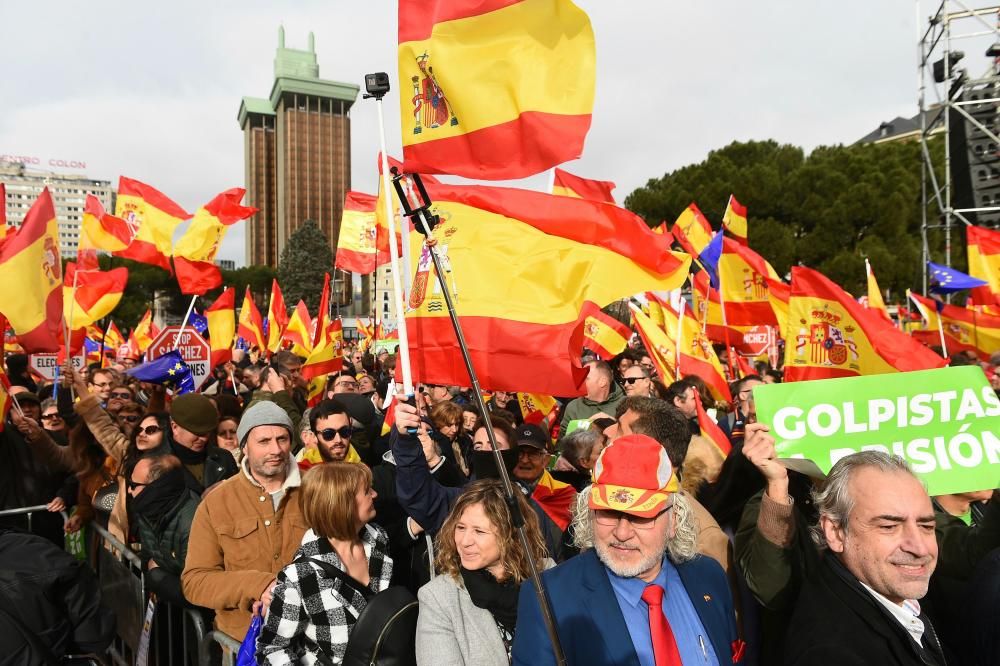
(249, 527)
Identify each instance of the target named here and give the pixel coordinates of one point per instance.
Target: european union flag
(169, 369)
(91, 346)
(945, 280)
(198, 322)
(709, 258)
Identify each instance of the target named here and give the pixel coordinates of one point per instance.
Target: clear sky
(152, 90)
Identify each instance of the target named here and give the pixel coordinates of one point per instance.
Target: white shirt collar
(906, 613)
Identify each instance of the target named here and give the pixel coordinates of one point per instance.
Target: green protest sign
(945, 423)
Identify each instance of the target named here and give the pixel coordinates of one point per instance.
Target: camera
(377, 84)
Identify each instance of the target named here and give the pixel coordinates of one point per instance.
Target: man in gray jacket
(603, 396)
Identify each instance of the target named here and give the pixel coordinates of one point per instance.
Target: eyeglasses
(327, 434)
(628, 381)
(610, 518)
(346, 385)
(102, 385)
(150, 430)
(123, 395)
(132, 485)
(529, 452)
(51, 417)
(129, 418)
(648, 366)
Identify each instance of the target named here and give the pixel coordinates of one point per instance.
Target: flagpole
(66, 321)
(680, 334)
(424, 218)
(397, 289)
(725, 322)
(187, 315)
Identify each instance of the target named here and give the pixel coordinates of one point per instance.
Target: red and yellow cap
(633, 475)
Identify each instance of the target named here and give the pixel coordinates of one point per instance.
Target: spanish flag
(555, 254)
(113, 340)
(100, 231)
(323, 316)
(356, 248)
(983, 246)
(555, 498)
(195, 252)
(743, 285)
(603, 334)
(711, 431)
(494, 90)
(31, 273)
(568, 185)
(535, 407)
(692, 230)
(298, 333)
(221, 316)
(778, 294)
(662, 348)
(708, 312)
(832, 335)
(734, 220)
(964, 328)
(89, 295)
(326, 357)
(875, 301)
(277, 318)
(153, 216)
(251, 326)
(145, 332)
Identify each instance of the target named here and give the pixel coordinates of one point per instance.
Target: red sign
(194, 349)
(756, 341)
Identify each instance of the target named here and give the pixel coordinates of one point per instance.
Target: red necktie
(665, 651)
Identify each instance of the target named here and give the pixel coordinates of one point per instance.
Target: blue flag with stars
(945, 280)
(168, 369)
(709, 258)
(198, 322)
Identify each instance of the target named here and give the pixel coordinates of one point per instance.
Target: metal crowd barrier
(228, 646)
(123, 590)
(27, 511)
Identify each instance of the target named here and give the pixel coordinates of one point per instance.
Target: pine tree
(306, 257)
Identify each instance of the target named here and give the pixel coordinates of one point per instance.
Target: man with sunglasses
(636, 381)
(332, 427)
(640, 593)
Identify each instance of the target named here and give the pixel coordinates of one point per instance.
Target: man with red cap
(641, 595)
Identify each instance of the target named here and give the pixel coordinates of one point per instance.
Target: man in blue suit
(641, 595)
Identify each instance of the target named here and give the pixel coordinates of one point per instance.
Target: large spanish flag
(494, 89)
(964, 328)
(221, 316)
(298, 333)
(195, 252)
(31, 275)
(89, 295)
(875, 302)
(153, 216)
(832, 335)
(692, 230)
(356, 247)
(567, 185)
(983, 246)
(734, 220)
(100, 231)
(603, 334)
(277, 317)
(251, 326)
(525, 329)
(743, 285)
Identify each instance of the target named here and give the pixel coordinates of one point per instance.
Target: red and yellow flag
(356, 248)
(251, 326)
(145, 332)
(734, 220)
(89, 295)
(555, 498)
(692, 230)
(708, 312)
(875, 302)
(983, 246)
(778, 294)
(31, 272)
(711, 431)
(832, 335)
(113, 340)
(556, 254)
(568, 185)
(153, 216)
(603, 334)
(100, 231)
(277, 318)
(195, 252)
(323, 316)
(964, 329)
(221, 317)
(494, 90)
(299, 331)
(535, 407)
(326, 357)
(743, 286)
(662, 348)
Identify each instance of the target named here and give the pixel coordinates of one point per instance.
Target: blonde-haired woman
(343, 562)
(468, 613)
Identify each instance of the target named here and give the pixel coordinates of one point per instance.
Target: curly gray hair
(681, 548)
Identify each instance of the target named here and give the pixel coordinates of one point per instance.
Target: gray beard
(625, 571)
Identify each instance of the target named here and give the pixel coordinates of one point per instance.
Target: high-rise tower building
(297, 147)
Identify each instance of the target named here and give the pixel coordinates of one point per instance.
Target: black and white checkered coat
(307, 620)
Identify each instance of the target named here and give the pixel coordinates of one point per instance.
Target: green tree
(306, 257)
(828, 210)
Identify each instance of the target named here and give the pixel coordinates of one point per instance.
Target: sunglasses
(123, 395)
(628, 381)
(130, 418)
(610, 518)
(327, 434)
(151, 430)
(132, 485)
(51, 417)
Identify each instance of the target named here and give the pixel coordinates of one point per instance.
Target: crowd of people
(654, 548)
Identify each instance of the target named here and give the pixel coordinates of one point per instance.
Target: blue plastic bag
(247, 656)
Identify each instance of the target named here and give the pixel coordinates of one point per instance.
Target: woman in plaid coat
(342, 563)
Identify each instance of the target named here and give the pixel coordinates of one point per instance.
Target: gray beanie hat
(261, 413)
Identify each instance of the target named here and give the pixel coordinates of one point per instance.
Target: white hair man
(642, 594)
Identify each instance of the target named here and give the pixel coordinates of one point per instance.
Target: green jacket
(166, 542)
(584, 407)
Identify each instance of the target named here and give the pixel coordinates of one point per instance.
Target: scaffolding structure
(957, 98)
